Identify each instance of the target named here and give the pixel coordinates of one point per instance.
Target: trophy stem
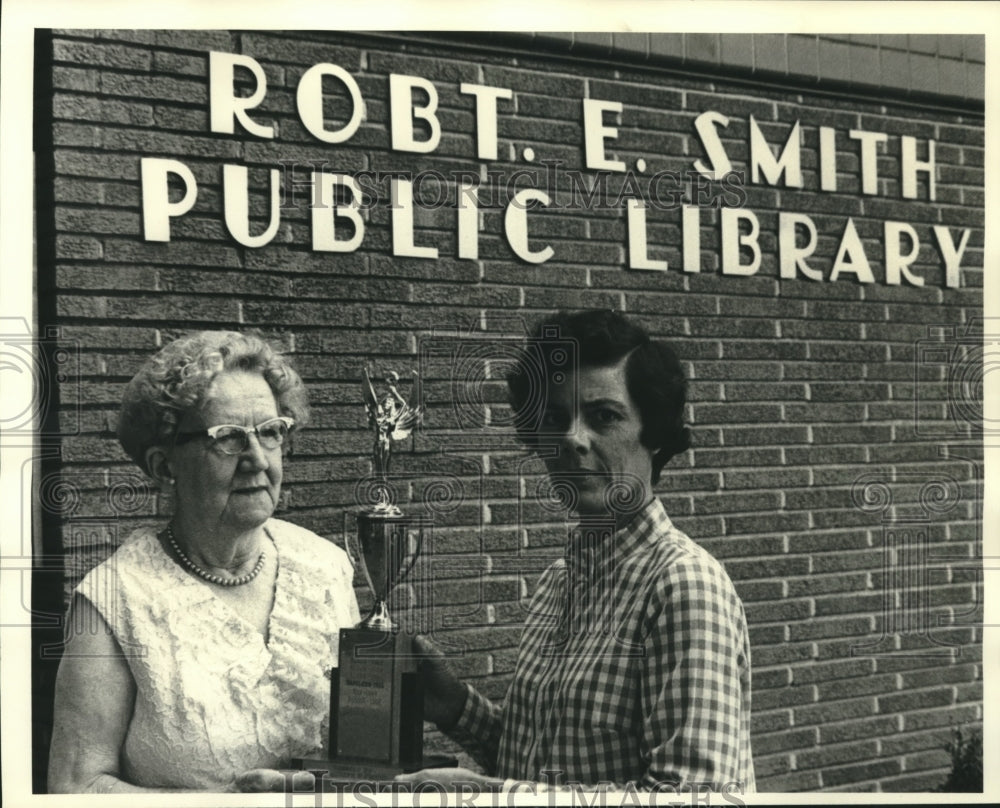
(378, 618)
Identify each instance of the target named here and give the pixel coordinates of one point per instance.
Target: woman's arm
(695, 685)
(693, 702)
(458, 709)
(94, 697)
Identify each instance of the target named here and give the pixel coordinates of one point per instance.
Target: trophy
(376, 695)
(387, 555)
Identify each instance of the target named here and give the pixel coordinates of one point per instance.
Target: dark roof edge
(944, 70)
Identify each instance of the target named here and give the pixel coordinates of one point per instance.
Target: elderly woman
(216, 631)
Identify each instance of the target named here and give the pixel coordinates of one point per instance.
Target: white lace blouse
(212, 698)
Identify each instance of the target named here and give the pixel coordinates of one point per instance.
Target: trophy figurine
(376, 695)
(384, 532)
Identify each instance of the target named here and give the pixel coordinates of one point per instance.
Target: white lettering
(157, 209)
(705, 124)
(516, 226)
(224, 107)
(869, 158)
(595, 133)
(733, 240)
(828, 158)
(691, 228)
(851, 256)
(402, 223)
(638, 257)
(911, 165)
(468, 222)
(236, 196)
(952, 256)
(309, 100)
(486, 116)
(404, 112)
(324, 236)
(793, 257)
(762, 160)
(896, 264)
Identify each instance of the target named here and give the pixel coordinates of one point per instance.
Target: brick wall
(837, 459)
(920, 66)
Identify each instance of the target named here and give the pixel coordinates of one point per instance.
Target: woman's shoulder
(291, 532)
(693, 563)
(301, 541)
(138, 573)
(140, 545)
(673, 563)
(316, 570)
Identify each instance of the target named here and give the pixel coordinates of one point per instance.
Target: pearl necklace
(215, 579)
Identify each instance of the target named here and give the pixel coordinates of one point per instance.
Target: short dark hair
(601, 338)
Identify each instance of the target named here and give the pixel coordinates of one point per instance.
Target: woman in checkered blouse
(634, 664)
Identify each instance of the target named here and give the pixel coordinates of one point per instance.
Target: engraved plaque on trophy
(376, 699)
(377, 705)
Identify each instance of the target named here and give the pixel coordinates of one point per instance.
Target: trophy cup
(376, 695)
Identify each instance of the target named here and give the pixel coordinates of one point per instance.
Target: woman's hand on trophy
(444, 693)
(464, 781)
(256, 780)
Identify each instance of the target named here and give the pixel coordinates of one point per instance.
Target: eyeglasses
(231, 439)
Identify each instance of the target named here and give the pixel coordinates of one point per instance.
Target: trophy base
(346, 771)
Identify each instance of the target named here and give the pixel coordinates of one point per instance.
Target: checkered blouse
(634, 667)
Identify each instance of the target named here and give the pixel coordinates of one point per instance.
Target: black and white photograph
(578, 404)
